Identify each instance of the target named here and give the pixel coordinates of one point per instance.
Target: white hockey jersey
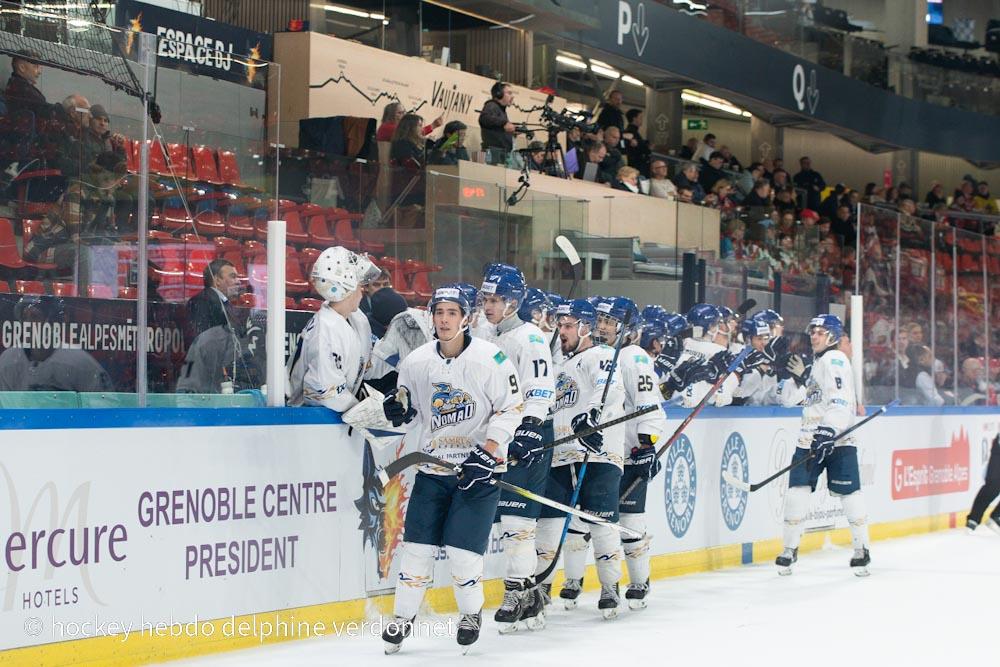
(830, 398)
(406, 332)
(580, 381)
(460, 402)
(693, 393)
(639, 382)
(757, 387)
(331, 361)
(790, 394)
(528, 348)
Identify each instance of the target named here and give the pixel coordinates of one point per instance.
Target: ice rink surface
(930, 600)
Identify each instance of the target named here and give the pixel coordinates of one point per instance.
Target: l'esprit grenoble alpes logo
(734, 500)
(634, 24)
(680, 486)
(931, 472)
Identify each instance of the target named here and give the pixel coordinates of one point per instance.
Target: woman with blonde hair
(627, 179)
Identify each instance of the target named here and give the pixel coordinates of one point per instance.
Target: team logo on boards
(680, 486)
(567, 392)
(450, 406)
(734, 500)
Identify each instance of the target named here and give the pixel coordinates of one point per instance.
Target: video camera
(566, 120)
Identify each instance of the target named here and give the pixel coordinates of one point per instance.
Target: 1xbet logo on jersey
(450, 406)
(567, 392)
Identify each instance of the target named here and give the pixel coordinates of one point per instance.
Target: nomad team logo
(567, 392)
(734, 501)
(450, 406)
(680, 486)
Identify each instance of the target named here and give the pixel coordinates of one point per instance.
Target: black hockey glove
(751, 361)
(397, 408)
(677, 378)
(644, 458)
(720, 362)
(527, 446)
(822, 444)
(478, 468)
(595, 441)
(702, 372)
(799, 368)
(776, 347)
(668, 356)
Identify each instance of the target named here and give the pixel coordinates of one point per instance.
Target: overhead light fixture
(78, 23)
(711, 102)
(634, 81)
(569, 54)
(578, 64)
(605, 71)
(599, 63)
(350, 11)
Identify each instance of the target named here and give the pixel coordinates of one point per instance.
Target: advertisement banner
(194, 44)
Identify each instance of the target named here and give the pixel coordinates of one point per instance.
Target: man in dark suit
(211, 307)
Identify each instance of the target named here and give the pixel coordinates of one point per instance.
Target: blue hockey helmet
(504, 281)
(653, 328)
(555, 299)
(831, 324)
(580, 310)
(452, 293)
(675, 324)
(772, 317)
(704, 315)
(469, 291)
(754, 327)
(621, 309)
(534, 306)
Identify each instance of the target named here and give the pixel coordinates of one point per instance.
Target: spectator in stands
(811, 181)
(721, 195)
(729, 161)
(983, 201)
(688, 149)
(768, 165)
(595, 153)
(685, 194)
(760, 196)
(845, 227)
(611, 114)
(779, 179)
(407, 154)
(779, 163)
(384, 304)
(907, 206)
(905, 190)
(829, 206)
(574, 139)
(22, 93)
(786, 223)
(712, 171)
(637, 150)
(104, 166)
(450, 148)
(211, 306)
(784, 199)
(972, 382)
(926, 387)
(383, 281)
(916, 333)
(613, 158)
(391, 115)
(497, 130)
(688, 178)
(705, 148)
(536, 157)
(732, 245)
(935, 195)
(892, 195)
(659, 184)
(627, 179)
(42, 364)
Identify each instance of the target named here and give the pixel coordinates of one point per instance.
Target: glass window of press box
(120, 288)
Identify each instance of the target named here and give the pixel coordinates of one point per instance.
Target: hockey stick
(687, 420)
(427, 459)
(575, 263)
(744, 486)
(413, 458)
(586, 457)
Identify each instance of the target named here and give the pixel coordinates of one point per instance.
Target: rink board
(191, 529)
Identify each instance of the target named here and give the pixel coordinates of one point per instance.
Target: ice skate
(468, 630)
(533, 616)
(785, 561)
(395, 632)
(512, 607)
(860, 561)
(546, 592)
(570, 592)
(636, 595)
(970, 526)
(608, 604)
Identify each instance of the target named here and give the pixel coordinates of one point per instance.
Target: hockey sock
(416, 571)
(607, 548)
(467, 579)
(575, 549)
(547, 536)
(857, 518)
(796, 508)
(518, 540)
(636, 548)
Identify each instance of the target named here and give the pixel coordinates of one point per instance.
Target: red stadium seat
(29, 287)
(10, 257)
(307, 303)
(64, 289)
(344, 233)
(100, 291)
(180, 160)
(4, 287)
(290, 303)
(395, 270)
(295, 231)
(229, 170)
(127, 293)
(295, 282)
(309, 257)
(205, 167)
(419, 274)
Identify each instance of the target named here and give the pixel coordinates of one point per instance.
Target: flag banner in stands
(198, 45)
(105, 329)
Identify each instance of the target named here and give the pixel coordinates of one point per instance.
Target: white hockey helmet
(338, 272)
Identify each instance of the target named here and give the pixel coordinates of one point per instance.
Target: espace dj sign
(931, 472)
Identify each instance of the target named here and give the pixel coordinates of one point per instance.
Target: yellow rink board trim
(220, 635)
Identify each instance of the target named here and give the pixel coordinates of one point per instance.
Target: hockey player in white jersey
(638, 380)
(334, 352)
(580, 384)
(461, 399)
(500, 299)
(830, 409)
(709, 349)
(757, 382)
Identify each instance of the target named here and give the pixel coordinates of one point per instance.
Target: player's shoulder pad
(427, 351)
(531, 335)
(486, 353)
(835, 359)
(636, 355)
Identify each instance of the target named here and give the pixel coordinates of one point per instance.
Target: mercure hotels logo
(933, 471)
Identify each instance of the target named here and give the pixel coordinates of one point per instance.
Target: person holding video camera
(497, 130)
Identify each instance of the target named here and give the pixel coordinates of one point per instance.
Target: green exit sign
(700, 124)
